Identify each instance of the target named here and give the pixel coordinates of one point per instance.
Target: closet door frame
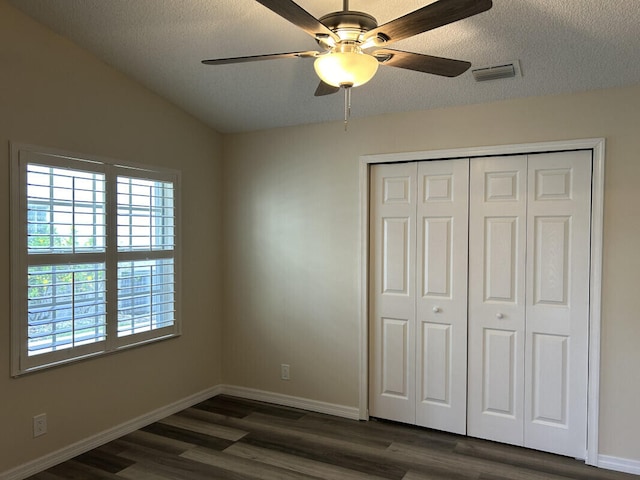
(597, 146)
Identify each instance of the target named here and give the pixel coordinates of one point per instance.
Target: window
(94, 257)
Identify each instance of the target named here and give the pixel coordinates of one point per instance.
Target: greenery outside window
(95, 264)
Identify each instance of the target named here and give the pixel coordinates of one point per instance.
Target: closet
(479, 297)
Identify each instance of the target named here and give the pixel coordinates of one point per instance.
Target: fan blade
(257, 58)
(325, 89)
(446, 67)
(293, 12)
(427, 18)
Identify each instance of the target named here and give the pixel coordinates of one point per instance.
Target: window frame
(21, 156)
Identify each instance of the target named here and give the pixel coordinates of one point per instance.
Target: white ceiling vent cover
(495, 72)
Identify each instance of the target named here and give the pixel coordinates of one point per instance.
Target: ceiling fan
(353, 45)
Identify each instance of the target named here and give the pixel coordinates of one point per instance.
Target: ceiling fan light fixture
(346, 66)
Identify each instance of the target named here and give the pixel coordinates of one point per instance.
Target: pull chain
(347, 106)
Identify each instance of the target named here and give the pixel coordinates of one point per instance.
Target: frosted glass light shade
(346, 69)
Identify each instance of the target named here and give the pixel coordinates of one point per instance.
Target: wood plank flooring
(231, 438)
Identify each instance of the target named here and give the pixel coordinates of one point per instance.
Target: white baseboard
(352, 413)
(619, 464)
(78, 448)
(67, 453)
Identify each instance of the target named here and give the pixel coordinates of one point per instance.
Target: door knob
(499, 316)
(436, 310)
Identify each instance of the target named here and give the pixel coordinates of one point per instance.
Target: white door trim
(597, 145)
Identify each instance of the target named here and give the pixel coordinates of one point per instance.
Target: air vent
(495, 72)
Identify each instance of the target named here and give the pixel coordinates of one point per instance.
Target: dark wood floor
(231, 438)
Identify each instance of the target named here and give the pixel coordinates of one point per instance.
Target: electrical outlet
(284, 371)
(39, 425)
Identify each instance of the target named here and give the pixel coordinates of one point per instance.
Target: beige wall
(54, 94)
(291, 223)
(291, 239)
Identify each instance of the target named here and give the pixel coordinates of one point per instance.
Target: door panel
(550, 372)
(436, 355)
(498, 373)
(558, 302)
(395, 256)
(497, 236)
(418, 296)
(501, 249)
(436, 265)
(395, 357)
(551, 256)
(441, 310)
(392, 292)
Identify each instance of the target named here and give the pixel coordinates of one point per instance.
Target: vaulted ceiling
(561, 46)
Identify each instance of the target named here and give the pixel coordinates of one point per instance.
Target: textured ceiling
(562, 46)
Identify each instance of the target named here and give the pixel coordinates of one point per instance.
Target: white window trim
(21, 154)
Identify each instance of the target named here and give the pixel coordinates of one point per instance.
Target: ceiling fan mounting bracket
(383, 57)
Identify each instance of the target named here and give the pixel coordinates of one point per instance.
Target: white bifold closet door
(418, 293)
(529, 250)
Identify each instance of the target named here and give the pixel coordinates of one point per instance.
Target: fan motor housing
(349, 25)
